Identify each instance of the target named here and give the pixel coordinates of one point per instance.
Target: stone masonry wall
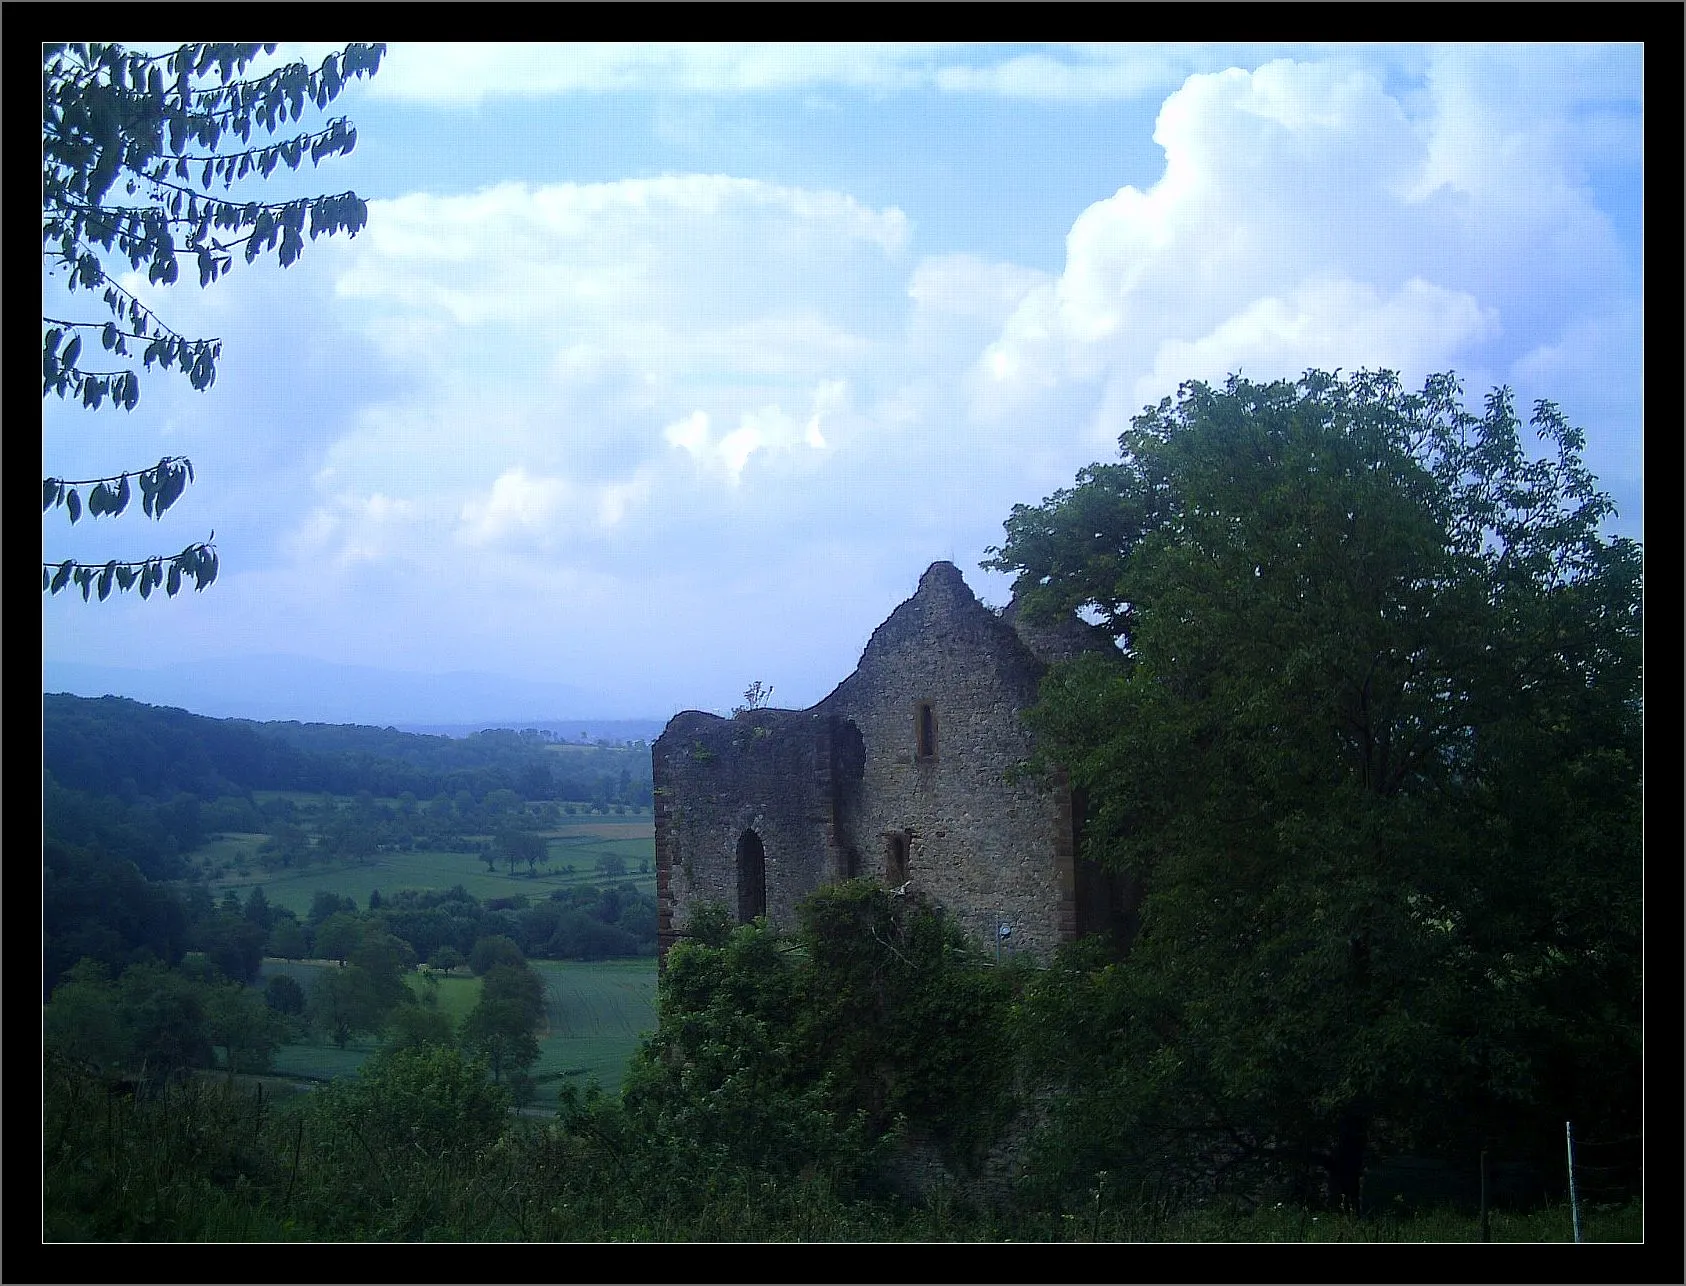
(835, 790)
(985, 840)
(716, 779)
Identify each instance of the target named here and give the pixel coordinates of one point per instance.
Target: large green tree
(147, 159)
(1372, 746)
(876, 1024)
(246, 1028)
(501, 1025)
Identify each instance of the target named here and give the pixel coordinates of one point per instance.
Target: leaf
(73, 502)
(204, 568)
(72, 351)
(61, 578)
(106, 578)
(49, 493)
(122, 497)
(174, 587)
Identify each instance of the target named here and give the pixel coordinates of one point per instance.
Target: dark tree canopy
(147, 160)
(1372, 746)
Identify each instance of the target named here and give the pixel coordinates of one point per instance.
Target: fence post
(1486, 1226)
(1574, 1203)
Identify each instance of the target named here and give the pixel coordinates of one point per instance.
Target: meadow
(596, 1014)
(578, 841)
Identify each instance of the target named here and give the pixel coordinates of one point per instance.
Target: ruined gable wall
(981, 843)
(768, 771)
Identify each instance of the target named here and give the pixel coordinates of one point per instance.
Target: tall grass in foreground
(205, 1161)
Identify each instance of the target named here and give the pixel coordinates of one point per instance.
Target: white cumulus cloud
(1307, 215)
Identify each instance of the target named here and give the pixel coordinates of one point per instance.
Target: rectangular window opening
(895, 858)
(925, 731)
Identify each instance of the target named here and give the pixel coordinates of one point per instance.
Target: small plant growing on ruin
(755, 697)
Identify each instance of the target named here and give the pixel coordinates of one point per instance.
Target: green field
(577, 841)
(455, 993)
(598, 1011)
(596, 1014)
(230, 850)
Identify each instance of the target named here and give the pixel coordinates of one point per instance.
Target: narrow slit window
(895, 858)
(752, 877)
(925, 731)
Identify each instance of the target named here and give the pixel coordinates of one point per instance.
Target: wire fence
(1608, 1170)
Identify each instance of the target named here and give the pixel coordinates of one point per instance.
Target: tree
(418, 1026)
(164, 1013)
(500, 1026)
(446, 958)
(287, 844)
(348, 1002)
(407, 1106)
(501, 1032)
(288, 941)
(522, 846)
(492, 950)
(777, 1056)
(166, 129)
(324, 904)
(519, 985)
(284, 995)
(233, 943)
(386, 959)
(83, 1021)
(338, 936)
(1372, 748)
(611, 866)
(246, 1028)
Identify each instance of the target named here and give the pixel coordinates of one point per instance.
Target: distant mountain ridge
(279, 687)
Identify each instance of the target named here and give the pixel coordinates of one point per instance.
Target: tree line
(149, 1024)
(100, 907)
(115, 746)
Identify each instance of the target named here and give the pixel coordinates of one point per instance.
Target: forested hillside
(111, 745)
(131, 793)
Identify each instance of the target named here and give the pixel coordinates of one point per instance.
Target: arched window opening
(752, 877)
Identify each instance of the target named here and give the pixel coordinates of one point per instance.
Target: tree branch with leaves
(157, 131)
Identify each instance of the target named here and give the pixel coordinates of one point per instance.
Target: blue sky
(659, 369)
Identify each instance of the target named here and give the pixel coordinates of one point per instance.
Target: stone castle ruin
(910, 772)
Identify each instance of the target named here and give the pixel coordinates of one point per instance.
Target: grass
(1284, 1223)
(229, 851)
(455, 994)
(579, 841)
(596, 1014)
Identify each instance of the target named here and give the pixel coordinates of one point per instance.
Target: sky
(662, 369)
